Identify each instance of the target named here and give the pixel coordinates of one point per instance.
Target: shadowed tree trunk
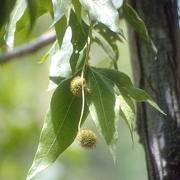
(159, 134)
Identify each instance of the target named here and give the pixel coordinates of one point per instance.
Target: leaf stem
(89, 41)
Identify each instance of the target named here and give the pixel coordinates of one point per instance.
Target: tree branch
(29, 48)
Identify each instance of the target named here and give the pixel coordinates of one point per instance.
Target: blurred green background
(23, 104)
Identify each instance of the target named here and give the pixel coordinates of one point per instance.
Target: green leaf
(37, 9)
(79, 38)
(107, 40)
(106, 46)
(119, 78)
(15, 16)
(2, 40)
(60, 8)
(33, 11)
(102, 105)
(104, 31)
(60, 128)
(79, 31)
(138, 24)
(135, 21)
(78, 65)
(23, 22)
(5, 9)
(60, 28)
(46, 5)
(103, 12)
(60, 62)
(55, 80)
(127, 110)
(77, 7)
(142, 96)
(125, 86)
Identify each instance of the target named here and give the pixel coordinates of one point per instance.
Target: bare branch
(29, 48)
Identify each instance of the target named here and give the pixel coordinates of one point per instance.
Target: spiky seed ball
(87, 139)
(76, 85)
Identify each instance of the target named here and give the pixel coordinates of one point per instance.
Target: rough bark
(159, 134)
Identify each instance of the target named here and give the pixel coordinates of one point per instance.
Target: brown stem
(29, 48)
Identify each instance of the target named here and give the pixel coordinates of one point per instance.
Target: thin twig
(82, 74)
(29, 48)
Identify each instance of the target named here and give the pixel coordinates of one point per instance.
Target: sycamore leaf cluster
(108, 94)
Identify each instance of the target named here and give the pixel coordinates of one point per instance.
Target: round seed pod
(76, 85)
(87, 139)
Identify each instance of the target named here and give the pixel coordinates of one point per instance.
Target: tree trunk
(159, 134)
